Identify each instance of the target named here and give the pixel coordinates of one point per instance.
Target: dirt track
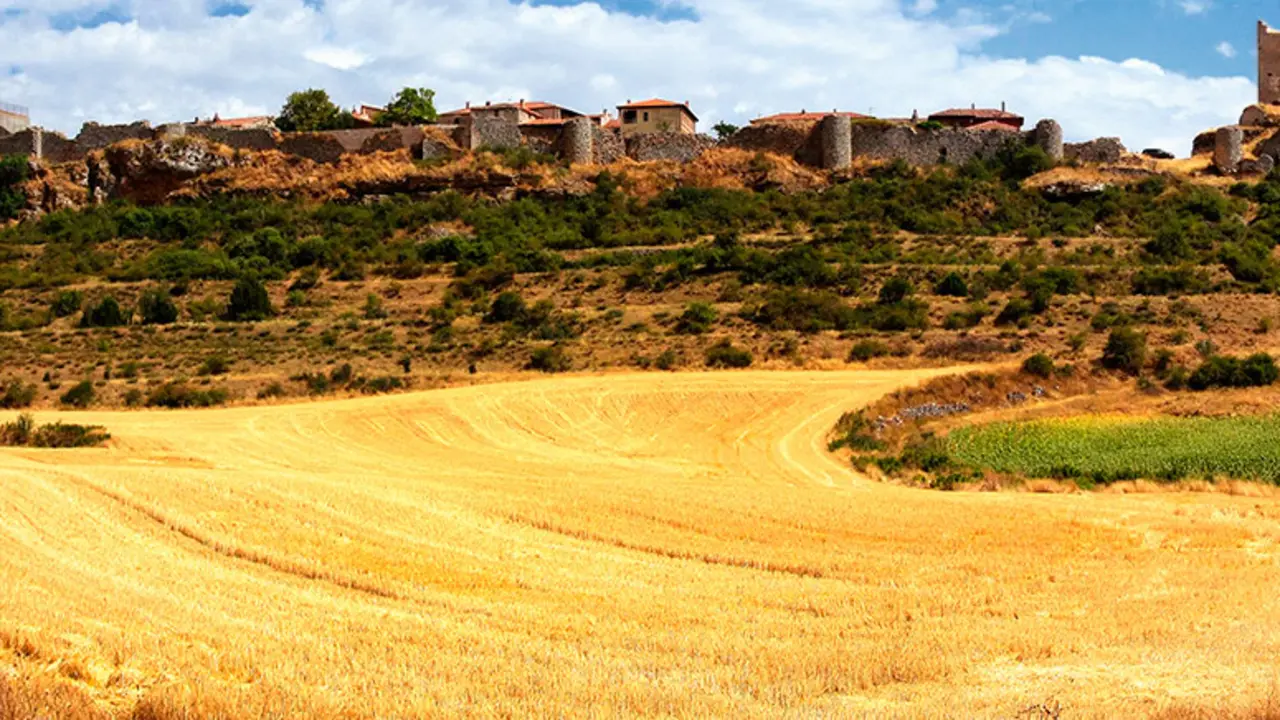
(656, 544)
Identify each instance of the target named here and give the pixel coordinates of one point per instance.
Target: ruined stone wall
(1268, 65)
(607, 146)
(541, 138)
(249, 139)
(495, 133)
(95, 137)
(795, 139)
(19, 143)
(438, 143)
(1102, 150)
(648, 147)
(371, 140)
(880, 141)
(56, 148)
(319, 147)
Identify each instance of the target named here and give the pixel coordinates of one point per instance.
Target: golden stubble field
(674, 545)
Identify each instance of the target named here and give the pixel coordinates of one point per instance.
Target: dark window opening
(646, 117)
(628, 116)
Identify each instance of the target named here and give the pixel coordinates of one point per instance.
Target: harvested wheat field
(673, 545)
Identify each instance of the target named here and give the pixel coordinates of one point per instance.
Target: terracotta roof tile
(984, 113)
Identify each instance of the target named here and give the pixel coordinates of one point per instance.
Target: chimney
(973, 106)
(487, 103)
(1002, 106)
(915, 116)
(521, 102)
(468, 104)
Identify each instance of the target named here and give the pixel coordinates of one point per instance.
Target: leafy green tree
(311, 111)
(410, 106)
(1126, 350)
(724, 130)
(249, 301)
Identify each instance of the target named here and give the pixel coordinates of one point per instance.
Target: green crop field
(1111, 449)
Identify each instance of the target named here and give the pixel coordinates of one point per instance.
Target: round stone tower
(837, 142)
(577, 141)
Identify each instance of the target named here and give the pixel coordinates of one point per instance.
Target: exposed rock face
(147, 172)
(1102, 150)
(1064, 189)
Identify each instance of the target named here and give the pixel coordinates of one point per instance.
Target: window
(629, 116)
(646, 116)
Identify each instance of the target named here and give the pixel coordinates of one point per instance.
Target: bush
(697, 318)
(507, 307)
(66, 304)
(667, 360)
(865, 350)
(1126, 351)
(179, 395)
(214, 365)
(105, 314)
(1226, 372)
(895, 290)
(17, 394)
(81, 395)
(1014, 311)
(724, 355)
(953, 285)
(156, 308)
(550, 360)
(1040, 365)
(25, 432)
(249, 301)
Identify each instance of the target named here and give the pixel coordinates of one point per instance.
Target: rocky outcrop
(1102, 150)
(148, 172)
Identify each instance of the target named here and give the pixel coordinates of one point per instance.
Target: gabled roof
(658, 103)
(993, 125)
(803, 116)
(979, 113)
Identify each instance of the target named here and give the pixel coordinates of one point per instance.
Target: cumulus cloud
(733, 59)
(1225, 49)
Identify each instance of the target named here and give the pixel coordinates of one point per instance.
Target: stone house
(657, 116)
(967, 118)
(519, 112)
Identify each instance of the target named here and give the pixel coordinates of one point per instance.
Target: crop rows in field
(1109, 449)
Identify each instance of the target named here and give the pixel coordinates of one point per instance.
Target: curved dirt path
(629, 544)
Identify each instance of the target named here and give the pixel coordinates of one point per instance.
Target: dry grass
(602, 546)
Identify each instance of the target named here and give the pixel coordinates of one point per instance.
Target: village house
(657, 115)
(978, 118)
(521, 113)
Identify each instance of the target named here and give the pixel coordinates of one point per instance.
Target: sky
(1153, 72)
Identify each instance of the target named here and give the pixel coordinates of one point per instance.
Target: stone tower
(1268, 65)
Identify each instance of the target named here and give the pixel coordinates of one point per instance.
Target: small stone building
(657, 116)
(967, 118)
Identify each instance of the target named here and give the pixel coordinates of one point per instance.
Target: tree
(105, 314)
(724, 129)
(311, 111)
(410, 106)
(895, 290)
(13, 173)
(249, 301)
(1126, 350)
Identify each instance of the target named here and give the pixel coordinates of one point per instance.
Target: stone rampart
(607, 146)
(787, 139)
(1102, 150)
(95, 137)
(648, 147)
(319, 147)
(541, 138)
(577, 141)
(884, 141)
(1048, 136)
(248, 139)
(56, 148)
(494, 133)
(20, 143)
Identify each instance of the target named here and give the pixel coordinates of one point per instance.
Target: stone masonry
(1268, 65)
(1228, 149)
(1048, 135)
(837, 142)
(577, 144)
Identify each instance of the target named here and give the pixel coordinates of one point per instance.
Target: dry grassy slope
(666, 545)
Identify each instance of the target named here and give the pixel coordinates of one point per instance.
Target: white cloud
(738, 59)
(1194, 7)
(1225, 49)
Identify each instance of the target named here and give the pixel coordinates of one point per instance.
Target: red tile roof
(980, 113)
(613, 124)
(804, 116)
(658, 103)
(993, 125)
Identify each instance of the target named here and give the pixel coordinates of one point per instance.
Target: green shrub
(1015, 311)
(896, 290)
(17, 394)
(509, 306)
(865, 350)
(249, 301)
(724, 355)
(666, 360)
(156, 308)
(1227, 372)
(274, 390)
(550, 360)
(63, 435)
(105, 314)
(14, 170)
(66, 303)
(214, 365)
(81, 395)
(179, 395)
(1039, 365)
(952, 285)
(373, 309)
(1126, 350)
(697, 319)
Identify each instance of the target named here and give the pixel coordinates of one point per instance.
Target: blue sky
(1153, 72)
